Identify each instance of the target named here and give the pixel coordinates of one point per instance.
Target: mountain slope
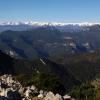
(16, 67)
(73, 70)
(44, 42)
(84, 67)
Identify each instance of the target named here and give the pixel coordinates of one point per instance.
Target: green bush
(84, 92)
(43, 81)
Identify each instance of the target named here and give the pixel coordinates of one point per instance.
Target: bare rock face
(57, 97)
(40, 96)
(67, 97)
(51, 96)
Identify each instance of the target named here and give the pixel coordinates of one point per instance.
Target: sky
(50, 10)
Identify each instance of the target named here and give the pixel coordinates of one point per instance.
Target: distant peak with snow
(48, 23)
(28, 25)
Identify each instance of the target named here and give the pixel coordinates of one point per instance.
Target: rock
(45, 93)
(33, 88)
(41, 96)
(57, 97)
(21, 90)
(51, 96)
(27, 93)
(67, 97)
(41, 91)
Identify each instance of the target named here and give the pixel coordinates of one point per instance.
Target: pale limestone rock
(49, 96)
(41, 91)
(27, 93)
(67, 97)
(41, 96)
(57, 97)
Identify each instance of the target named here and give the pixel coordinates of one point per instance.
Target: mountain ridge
(48, 23)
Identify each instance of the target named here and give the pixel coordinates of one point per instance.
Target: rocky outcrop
(11, 89)
(51, 96)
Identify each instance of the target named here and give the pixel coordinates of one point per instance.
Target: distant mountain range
(22, 26)
(30, 40)
(47, 23)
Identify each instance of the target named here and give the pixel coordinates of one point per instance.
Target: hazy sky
(50, 10)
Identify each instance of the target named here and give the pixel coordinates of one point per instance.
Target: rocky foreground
(11, 89)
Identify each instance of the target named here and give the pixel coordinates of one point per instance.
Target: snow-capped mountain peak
(47, 23)
(27, 25)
